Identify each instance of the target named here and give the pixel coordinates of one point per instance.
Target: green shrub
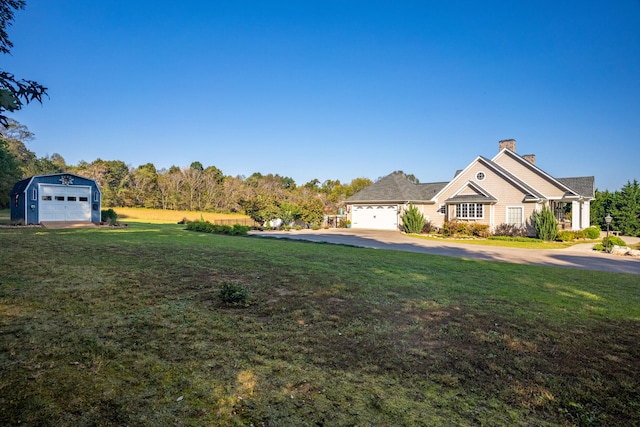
(614, 241)
(580, 234)
(510, 230)
(240, 230)
(428, 227)
(592, 232)
(207, 227)
(566, 236)
(235, 294)
(477, 229)
(109, 216)
(545, 224)
(454, 228)
(412, 220)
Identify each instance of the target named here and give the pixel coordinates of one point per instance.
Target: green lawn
(123, 326)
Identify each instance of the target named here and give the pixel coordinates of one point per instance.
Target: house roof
(481, 195)
(396, 187)
(582, 185)
(578, 186)
(532, 194)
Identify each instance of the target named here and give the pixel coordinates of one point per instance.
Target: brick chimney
(509, 144)
(531, 158)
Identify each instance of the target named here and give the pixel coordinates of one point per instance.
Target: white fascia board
(454, 180)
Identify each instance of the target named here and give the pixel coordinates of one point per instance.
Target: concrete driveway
(578, 256)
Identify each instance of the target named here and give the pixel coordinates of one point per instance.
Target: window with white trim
(469, 211)
(34, 194)
(515, 215)
(442, 210)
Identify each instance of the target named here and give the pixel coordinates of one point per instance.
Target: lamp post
(608, 219)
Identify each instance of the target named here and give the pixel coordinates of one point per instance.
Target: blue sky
(335, 89)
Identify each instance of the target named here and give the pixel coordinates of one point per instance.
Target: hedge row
(208, 227)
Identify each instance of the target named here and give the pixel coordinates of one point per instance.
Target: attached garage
(57, 197)
(376, 217)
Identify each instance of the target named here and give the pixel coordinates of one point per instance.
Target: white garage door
(64, 203)
(378, 217)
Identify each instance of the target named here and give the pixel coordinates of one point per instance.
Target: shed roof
(22, 185)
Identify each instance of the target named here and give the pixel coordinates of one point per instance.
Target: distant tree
(193, 183)
(14, 92)
(289, 212)
(627, 211)
(110, 175)
(287, 182)
(170, 186)
(261, 208)
(9, 173)
(212, 193)
(312, 211)
(623, 206)
(355, 186)
(142, 185)
(314, 184)
(411, 177)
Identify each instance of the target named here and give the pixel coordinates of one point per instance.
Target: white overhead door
(378, 217)
(64, 203)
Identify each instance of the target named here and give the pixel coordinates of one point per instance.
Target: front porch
(571, 214)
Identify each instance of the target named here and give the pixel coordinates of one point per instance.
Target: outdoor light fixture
(608, 219)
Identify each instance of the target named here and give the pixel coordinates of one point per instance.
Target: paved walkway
(579, 256)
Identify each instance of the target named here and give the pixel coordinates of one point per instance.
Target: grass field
(123, 326)
(163, 216)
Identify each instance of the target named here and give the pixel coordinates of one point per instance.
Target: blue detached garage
(55, 197)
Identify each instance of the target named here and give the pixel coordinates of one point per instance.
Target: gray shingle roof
(396, 187)
(582, 185)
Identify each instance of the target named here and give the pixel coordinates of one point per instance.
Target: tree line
(194, 188)
(623, 206)
(263, 197)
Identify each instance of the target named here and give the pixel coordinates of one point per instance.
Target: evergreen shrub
(109, 216)
(545, 224)
(412, 220)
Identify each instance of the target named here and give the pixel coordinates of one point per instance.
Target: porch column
(576, 215)
(586, 214)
